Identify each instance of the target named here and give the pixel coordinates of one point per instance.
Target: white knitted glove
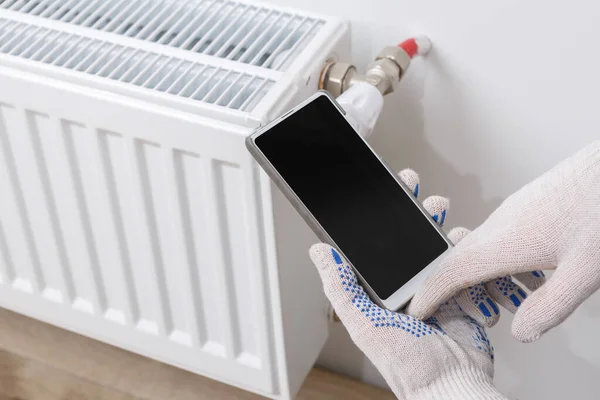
(551, 223)
(480, 301)
(446, 357)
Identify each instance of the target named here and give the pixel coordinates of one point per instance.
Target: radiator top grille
(175, 76)
(247, 33)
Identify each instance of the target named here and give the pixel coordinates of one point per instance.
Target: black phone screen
(352, 195)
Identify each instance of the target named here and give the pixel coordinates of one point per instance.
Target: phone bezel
(401, 296)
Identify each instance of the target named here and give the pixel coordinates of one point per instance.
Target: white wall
(511, 88)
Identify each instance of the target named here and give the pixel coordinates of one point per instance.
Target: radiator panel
(134, 232)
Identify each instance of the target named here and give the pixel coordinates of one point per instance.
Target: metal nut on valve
(397, 55)
(336, 77)
(384, 74)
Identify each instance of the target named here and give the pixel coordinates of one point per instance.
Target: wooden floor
(42, 362)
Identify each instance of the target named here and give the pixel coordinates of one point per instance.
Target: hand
(551, 223)
(448, 356)
(479, 301)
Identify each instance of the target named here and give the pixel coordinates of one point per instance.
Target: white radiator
(130, 210)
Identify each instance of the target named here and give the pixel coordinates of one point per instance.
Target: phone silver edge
(403, 295)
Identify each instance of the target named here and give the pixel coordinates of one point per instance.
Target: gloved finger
(531, 280)
(469, 264)
(483, 307)
(411, 180)
(506, 293)
(478, 304)
(552, 303)
(457, 234)
(475, 301)
(437, 207)
(348, 298)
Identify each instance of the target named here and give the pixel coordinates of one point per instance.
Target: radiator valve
(384, 73)
(361, 96)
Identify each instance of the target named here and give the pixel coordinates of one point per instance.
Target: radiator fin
(57, 265)
(194, 172)
(91, 291)
(165, 74)
(233, 30)
(143, 154)
(109, 145)
(230, 189)
(122, 155)
(224, 300)
(16, 210)
(184, 282)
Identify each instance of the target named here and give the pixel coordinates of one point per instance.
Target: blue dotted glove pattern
(508, 288)
(377, 315)
(481, 300)
(435, 323)
(380, 317)
(384, 318)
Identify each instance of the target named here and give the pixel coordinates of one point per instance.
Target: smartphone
(351, 198)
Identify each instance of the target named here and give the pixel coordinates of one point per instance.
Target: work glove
(481, 300)
(551, 223)
(448, 356)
